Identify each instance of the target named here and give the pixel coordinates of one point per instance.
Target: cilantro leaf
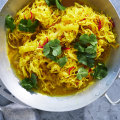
(53, 47)
(29, 83)
(79, 47)
(9, 22)
(46, 49)
(50, 56)
(62, 61)
(54, 43)
(55, 2)
(91, 49)
(100, 71)
(93, 39)
(82, 72)
(28, 25)
(82, 58)
(90, 55)
(27, 86)
(59, 6)
(87, 47)
(33, 26)
(23, 25)
(84, 39)
(50, 2)
(56, 50)
(34, 80)
(90, 62)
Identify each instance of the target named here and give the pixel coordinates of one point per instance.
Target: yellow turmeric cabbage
(64, 26)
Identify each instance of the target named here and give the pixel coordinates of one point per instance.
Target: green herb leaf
(91, 49)
(54, 58)
(90, 55)
(55, 2)
(90, 62)
(82, 58)
(87, 48)
(34, 80)
(53, 47)
(54, 43)
(100, 71)
(27, 86)
(82, 72)
(59, 6)
(23, 25)
(62, 61)
(29, 83)
(56, 50)
(9, 22)
(46, 49)
(93, 39)
(79, 47)
(50, 2)
(84, 39)
(28, 25)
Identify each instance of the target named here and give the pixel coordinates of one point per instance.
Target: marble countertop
(101, 109)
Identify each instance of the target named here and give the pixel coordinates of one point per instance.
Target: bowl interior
(44, 102)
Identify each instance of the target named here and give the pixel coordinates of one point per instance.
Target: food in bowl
(57, 50)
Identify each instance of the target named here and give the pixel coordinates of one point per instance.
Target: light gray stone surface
(98, 110)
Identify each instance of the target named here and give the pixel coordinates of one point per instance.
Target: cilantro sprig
(28, 25)
(62, 61)
(9, 22)
(52, 50)
(55, 2)
(100, 71)
(87, 47)
(59, 5)
(24, 25)
(29, 83)
(82, 72)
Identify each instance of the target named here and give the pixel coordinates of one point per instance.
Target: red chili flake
(113, 24)
(24, 17)
(77, 83)
(90, 70)
(84, 19)
(64, 48)
(71, 69)
(62, 36)
(52, 25)
(99, 26)
(31, 15)
(81, 2)
(47, 39)
(40, 46)
(85, 66)
(45, 42)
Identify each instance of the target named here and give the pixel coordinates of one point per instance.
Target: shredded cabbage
(64, 26)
